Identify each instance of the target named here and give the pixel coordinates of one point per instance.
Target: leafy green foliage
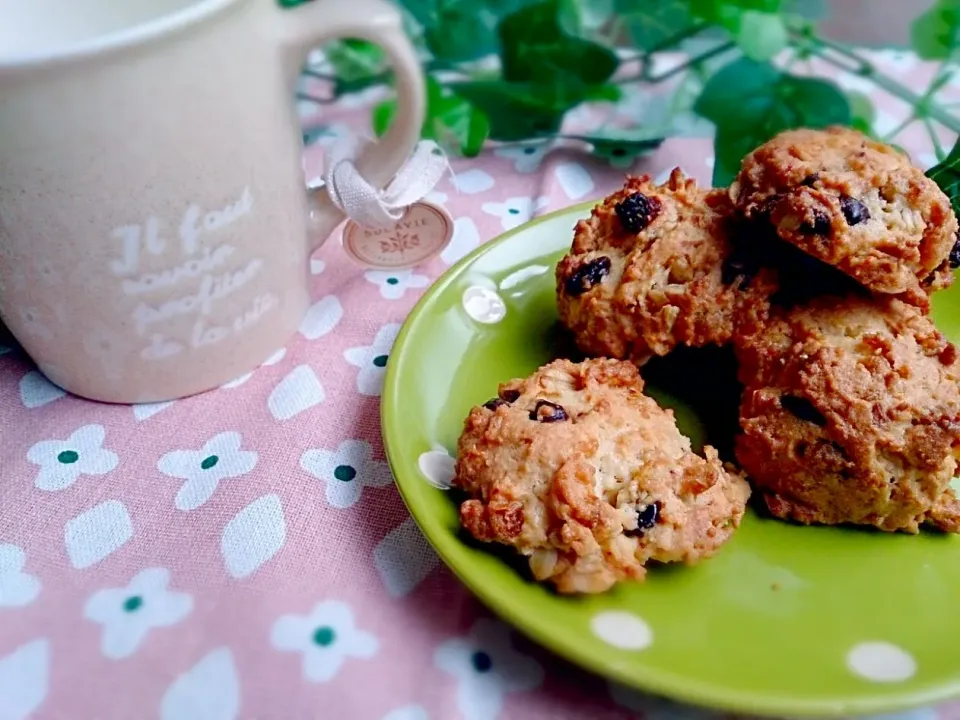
(935, 35)
(545, 70)
(356, 63)
(450, 120)
(862, 112)
(511, 69)
(461, 30)
(578, 17)
(729, 14)
(622, 144)
(750, 102)
(518, 111)
(535, 48)
(650, 24)
(761, 35)
(946, 174)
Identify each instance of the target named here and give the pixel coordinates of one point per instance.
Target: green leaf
(423, 11)
(862, 112)
(946, 174)
(622, 144)
(729, 14)
(354, 60)
(935, 34)
(382, 116)
(462, 31)
(450, 120)
(579, 16)
(459, 123)
(650, 24)
(535, 48)
(517, 111)
(738, 81)
(603, 93)
(750, 102)
(761, 35)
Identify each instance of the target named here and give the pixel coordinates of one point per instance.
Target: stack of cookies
(816, 265)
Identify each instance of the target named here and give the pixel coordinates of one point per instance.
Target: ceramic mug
(155, 227)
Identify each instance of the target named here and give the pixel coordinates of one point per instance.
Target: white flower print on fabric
(210, 690)
(63, 461)
(203, 469)
(325, 638)
(24, 680)
(372, 360)
(17, 588)
(465, 238)
(129, 614)
(487, 668)
(515, 211)
(346, 471)
(394, 285)
(526, 157)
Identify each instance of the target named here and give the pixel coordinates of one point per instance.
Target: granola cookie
(851, 414)
(577, 469)
(854, 203)
(646, 272)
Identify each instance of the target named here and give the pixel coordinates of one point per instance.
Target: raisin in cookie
(646, 272)
(854, 203)
(578, 470)
(851, 414)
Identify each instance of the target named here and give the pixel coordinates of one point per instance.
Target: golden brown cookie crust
(851, 414)
(567, 466)
(854, 203)
(659, 287)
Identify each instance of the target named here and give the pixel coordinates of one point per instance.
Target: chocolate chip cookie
(854, 203)
(648, 272)
(851, 414)
(578, 470)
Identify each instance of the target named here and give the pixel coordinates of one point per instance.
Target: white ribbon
(369, 206)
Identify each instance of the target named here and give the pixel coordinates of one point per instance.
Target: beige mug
(155, 227)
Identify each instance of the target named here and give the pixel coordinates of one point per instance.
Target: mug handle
(301, 28)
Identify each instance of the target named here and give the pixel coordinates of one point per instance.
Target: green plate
(786, 620)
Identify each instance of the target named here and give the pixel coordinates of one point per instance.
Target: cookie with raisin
(653, 268)
(854, 203)
(578, 470)
(851, 415)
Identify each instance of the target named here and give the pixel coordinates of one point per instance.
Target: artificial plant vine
(510, 70)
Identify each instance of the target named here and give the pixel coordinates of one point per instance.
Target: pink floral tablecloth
(243, 553)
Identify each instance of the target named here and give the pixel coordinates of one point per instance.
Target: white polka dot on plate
(484, 305)
(622, 630)
(438, 468)
(881, 662)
